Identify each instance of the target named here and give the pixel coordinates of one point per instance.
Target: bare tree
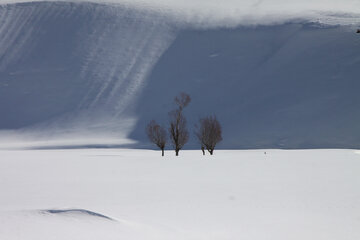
(178, 131)
(209, 132)
(157, 135)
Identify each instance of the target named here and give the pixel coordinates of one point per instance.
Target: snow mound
(75, 212)
(77, 225)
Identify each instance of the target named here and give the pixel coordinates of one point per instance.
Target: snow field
(298, 194)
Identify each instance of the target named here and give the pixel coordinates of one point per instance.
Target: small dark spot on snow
(232, 198)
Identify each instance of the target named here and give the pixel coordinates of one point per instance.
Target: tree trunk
(162, 152)
(177, 152)
(211, 151)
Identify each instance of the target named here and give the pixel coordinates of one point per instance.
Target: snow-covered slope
(75, 68)
(60, 194)
(292, 85)
(94, 74)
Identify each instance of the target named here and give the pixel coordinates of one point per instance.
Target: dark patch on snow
(77, 211)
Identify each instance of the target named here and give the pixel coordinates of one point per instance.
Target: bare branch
(182, 100)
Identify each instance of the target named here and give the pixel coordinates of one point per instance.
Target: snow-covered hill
(71, 70)
(81, 74)
(292, 85)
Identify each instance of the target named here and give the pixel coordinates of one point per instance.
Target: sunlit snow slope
(75, 68)
(83, 74)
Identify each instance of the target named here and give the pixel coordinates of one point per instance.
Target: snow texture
(298, 194)
(80, 74)
(230, 13)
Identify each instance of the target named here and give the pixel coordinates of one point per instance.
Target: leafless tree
(157, 135)
(209, 132)
(178, 131)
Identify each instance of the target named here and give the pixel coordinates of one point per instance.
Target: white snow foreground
(136, 194)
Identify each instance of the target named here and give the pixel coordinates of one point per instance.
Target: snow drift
(82, 74)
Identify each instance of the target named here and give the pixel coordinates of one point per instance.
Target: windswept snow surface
(231, 13)
(90, 74)
(74, 71)
(280, 195)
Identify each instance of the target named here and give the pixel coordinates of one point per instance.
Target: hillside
(91, 74)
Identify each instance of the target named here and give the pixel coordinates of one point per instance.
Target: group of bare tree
(208, 131)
